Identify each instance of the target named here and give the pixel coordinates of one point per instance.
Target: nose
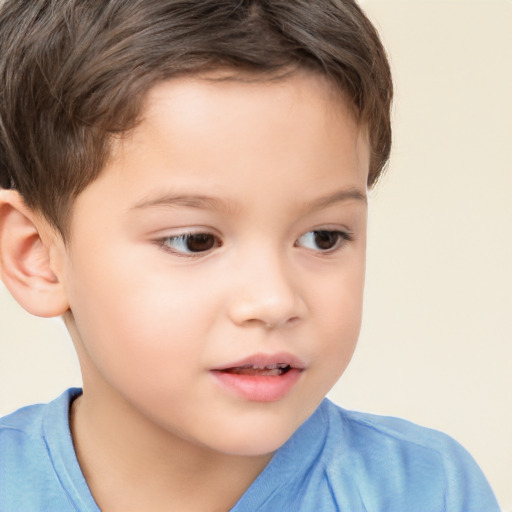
(266, 294)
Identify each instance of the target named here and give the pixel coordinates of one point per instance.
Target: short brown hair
(75, 72)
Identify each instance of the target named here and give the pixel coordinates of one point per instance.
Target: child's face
(227, 231)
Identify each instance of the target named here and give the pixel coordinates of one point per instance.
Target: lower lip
(258, 388)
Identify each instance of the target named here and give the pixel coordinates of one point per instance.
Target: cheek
(146, 322)
(341, 299)
(339, 317)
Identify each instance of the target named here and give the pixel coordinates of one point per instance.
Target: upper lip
(262, 360)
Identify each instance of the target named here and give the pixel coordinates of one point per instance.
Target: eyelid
(345, 236)
(161, 242)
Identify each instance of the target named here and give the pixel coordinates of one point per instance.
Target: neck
(130, 464)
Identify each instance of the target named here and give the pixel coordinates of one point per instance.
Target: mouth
(261, 377)
(271, 370)
(263, 364)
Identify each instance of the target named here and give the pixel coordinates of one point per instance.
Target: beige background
(436, 345)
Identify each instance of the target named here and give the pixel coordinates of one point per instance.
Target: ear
(26, 265)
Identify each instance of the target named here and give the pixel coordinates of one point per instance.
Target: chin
(253, 448)
(254, 441)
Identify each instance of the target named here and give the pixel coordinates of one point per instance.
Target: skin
(149, 321)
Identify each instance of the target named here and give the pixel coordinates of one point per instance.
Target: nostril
(275, 325)
(266, 305)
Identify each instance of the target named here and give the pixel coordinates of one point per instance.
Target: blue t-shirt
(337, 460)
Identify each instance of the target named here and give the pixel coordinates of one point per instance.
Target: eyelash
(184, 239)
(341, 238)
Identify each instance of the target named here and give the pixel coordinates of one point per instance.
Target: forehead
(239, 140)
(237, 90)
(246, 107)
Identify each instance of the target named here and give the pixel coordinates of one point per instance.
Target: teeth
(267, 370)
(269, 366)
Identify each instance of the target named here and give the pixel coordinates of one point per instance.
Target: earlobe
(25, 263)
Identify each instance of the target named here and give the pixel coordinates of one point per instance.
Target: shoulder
(387, 432)
(28, 422)
(392, 460)
(21, 434)
(23, 421)
(28, 477)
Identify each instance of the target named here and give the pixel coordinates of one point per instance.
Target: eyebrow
(215, 203)
(338, 197)
(188, 200)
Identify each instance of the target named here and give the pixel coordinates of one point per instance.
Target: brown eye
(322, 240)
(326, 240)
(190, 243)
(200, 243)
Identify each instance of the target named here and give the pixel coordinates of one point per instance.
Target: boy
(185, 183)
